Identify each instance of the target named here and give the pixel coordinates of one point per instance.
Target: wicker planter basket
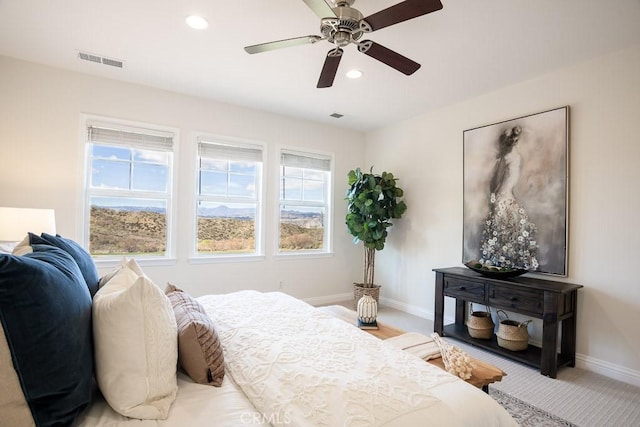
(359, 291)
(479, 324)
(511, 334)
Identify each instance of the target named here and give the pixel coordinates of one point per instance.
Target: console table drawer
(518, 299)
(464, 289)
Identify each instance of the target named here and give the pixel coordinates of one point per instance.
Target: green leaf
(371, 181)
(352, 177)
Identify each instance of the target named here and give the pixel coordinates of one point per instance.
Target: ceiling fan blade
(389, 57)
(320, 8)
(400, 12)
(330, 68)
(279, 44)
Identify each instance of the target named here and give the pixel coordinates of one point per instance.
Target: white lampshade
(15, 223)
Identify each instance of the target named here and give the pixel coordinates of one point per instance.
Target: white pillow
(22, 248)
(136, 350)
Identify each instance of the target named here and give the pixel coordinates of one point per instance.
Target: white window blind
(216, 150)
(141, 138)
(306, 161)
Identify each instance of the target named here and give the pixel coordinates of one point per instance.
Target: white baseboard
(407, 308)
(610, 370)
(412, 309)
(329, 299)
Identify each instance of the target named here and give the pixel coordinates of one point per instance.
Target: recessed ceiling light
(354, 74)
(196, 22)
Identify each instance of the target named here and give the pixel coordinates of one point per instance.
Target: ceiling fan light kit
(196, 22)
(354, 74)
(341, 25)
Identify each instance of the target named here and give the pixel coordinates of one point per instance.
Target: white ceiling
(468, 48)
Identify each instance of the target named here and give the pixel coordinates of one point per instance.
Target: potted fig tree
(373, 201)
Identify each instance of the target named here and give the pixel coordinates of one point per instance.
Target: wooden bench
(482, 375)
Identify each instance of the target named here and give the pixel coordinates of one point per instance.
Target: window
(128, 191)
(229, 198)
(304, 202)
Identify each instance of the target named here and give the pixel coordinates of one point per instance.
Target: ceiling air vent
(100, 59)
(89, 57)
(112, 62)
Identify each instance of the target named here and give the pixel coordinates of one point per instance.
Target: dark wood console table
(553, 302)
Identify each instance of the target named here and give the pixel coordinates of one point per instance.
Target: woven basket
(511, 334)
(359, 291)
(479, 324)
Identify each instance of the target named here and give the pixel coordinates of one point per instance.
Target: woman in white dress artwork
(508, 236)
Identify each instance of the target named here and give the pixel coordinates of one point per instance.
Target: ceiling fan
(342, 25)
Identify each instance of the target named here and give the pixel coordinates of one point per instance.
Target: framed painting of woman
(516, 193)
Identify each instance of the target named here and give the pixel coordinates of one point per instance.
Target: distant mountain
(226, 212)
(219, 212)
(298, 214)
(248, 213)
(135, 209)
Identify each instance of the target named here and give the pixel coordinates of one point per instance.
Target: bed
(284, 363)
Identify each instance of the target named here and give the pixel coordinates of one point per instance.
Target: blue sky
(111, 169)
(122, 168)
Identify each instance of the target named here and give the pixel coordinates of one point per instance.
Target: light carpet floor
(581, 397)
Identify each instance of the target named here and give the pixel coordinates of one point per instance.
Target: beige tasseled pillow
(199, 349)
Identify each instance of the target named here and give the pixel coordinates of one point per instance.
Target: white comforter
(301, 367)
(293, 365)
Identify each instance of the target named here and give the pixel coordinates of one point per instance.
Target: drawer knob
(514, 299)
(463, 288)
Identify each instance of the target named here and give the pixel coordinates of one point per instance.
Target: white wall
(425, 152)
(41, 160)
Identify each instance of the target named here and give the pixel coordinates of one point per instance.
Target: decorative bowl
(495, 272)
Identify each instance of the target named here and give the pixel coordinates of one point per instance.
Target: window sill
(281, 256)
(213, 259)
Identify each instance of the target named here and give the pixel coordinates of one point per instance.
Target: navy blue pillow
(45, 309)
(82, 258)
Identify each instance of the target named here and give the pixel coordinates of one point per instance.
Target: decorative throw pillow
(136, 350)
(45, 310)
(24, 247)
(124, 261)
(80, 255)
(199, 349)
